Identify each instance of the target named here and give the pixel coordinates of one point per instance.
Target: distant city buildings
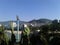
(0, 24)
(14, 24)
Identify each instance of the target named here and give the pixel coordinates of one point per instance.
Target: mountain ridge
(37, 22)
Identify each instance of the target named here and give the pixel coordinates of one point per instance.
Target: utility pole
(17, 28)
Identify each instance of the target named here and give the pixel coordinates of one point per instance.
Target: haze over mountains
(37, 22)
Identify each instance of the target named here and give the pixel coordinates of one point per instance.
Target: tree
(55, 21)
(44, 28)
(13, 39)
(3, 36)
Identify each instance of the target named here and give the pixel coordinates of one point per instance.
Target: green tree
(3, 35)
(44, 28)
(13, 39)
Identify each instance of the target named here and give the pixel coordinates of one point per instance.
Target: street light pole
(17, 29)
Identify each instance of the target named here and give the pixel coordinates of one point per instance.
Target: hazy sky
(29, 9)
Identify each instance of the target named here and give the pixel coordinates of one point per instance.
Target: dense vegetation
(40, 38)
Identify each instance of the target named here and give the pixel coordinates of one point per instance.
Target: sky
(29, 9)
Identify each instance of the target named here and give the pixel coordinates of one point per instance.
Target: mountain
(7, 23)
(40, 22)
